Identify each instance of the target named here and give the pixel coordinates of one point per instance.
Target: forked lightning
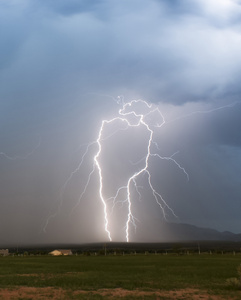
(129, 115)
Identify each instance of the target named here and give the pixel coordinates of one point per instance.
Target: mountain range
(186, 232)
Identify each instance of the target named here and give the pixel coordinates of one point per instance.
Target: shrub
(235, 282)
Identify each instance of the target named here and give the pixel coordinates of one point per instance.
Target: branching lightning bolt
(159, 199)
(130, 117)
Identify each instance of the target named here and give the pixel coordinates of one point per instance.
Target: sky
(67, 65)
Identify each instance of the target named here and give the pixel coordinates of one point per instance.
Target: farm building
(61, 252)
(4, 252)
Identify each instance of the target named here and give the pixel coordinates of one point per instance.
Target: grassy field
(119, 277)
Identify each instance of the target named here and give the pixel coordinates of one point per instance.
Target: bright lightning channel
(128, 114)
(130, 117)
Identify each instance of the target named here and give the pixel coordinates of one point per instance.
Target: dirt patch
(185, 294)
(60, 294)
(32, 293)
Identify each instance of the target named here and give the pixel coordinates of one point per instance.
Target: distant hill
(187, 232)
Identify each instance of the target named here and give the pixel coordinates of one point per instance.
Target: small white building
(61, 252)
(4, 252)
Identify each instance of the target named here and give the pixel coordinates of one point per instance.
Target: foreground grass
(141, 272)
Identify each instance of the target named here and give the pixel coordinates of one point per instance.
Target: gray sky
(63, 65)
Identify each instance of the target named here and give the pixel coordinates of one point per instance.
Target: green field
(119, 277)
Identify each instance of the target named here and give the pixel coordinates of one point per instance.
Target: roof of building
(4, 251)
(61, 252)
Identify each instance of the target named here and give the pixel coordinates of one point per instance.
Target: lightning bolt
(132, 180)
(136, 113)
(128, 115)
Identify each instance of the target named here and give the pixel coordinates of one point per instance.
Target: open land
(130, 276)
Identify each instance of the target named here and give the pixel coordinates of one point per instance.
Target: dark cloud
(140, 48)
